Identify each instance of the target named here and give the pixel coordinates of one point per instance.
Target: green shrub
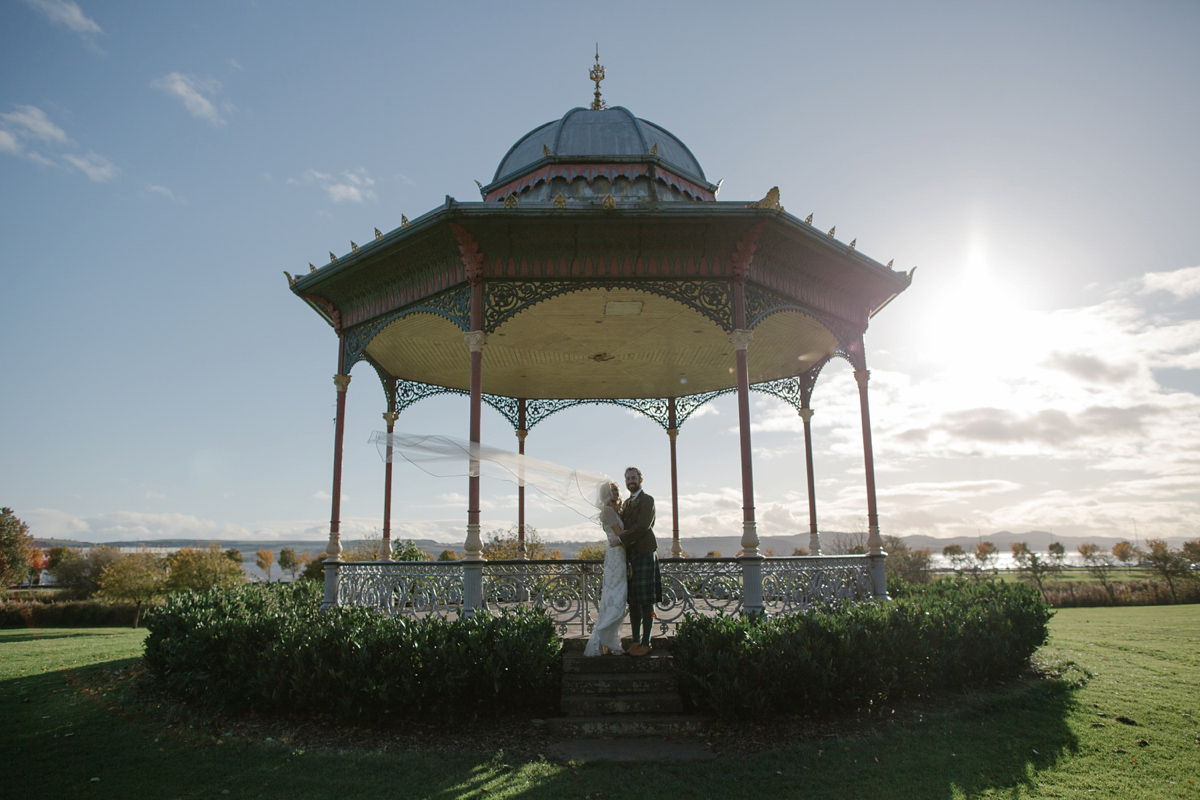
(267, 647)
(67, 614)
(946, 635)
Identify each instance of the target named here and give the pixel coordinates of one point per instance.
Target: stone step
(576, 663)
(575, 644)
(618, 683)
(587, 705)
(633, 725)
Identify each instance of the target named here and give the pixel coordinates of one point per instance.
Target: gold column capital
(862, 376)
(805, 414)
(521, 434)
(341, 382)
(672, 433)
(475, 340)
(390, 417)
(740, 339)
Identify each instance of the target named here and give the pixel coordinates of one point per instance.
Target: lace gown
(611, 613)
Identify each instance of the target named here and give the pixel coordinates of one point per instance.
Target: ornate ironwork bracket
(453, 304)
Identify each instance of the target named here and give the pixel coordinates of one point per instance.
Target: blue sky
(161, 165)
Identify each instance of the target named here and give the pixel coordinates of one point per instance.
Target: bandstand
(599, 267)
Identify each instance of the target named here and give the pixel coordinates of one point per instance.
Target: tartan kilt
(645, 584)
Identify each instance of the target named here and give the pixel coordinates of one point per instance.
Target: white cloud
(1183, 283)
(96, 167)
(352, 186)
(62, 12)
(235, 65)
(8, 143)
(193, 94)
(31, 122)
(162, 191)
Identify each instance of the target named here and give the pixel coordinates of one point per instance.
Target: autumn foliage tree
(16, 549)
(288, 562)
(1124, 552)
(1170, 564)
(265, 559)
(136, 577)
(79, 573)
(202, 568)
(501, 545)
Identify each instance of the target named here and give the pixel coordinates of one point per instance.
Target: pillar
(333, 552)
(814, 538)
(672, 433)
(390, 418)
(522, 432)
(473, 556)
(875, 554)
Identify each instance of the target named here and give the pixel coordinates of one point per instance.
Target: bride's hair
(611, 493)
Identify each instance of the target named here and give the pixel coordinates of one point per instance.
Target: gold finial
(808, 220)
(311, 268)
(832, 230)
(560, 201)
(609, 203)
(853, 244)
(893, 261)
(597, 75)
(482, 193)
(291, 280)
(353, 246)
(654, 149)
(332, 258)
(546, 151)
(771, 201)
(511, 200)
(378, 234)
(403, 221)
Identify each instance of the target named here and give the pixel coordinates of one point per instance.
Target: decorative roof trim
(591, 171)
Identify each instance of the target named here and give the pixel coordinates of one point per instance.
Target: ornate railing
(569, 590)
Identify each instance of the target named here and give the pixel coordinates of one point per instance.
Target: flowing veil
(446, 457)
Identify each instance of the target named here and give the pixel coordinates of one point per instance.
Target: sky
(162, 164)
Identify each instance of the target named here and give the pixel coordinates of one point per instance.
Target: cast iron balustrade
(569, 590)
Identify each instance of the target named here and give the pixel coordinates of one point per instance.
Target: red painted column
(390, 418)
(333, 552)
(522, 432)
(874, 541)
(740, 339)
(672, 433)
(814, 538)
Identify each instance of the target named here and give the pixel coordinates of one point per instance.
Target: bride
(607, 633)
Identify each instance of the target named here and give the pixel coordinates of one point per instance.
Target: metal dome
(611, 134)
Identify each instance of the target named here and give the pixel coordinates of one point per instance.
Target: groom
(645, 582)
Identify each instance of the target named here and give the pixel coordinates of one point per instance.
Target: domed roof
(610, 134)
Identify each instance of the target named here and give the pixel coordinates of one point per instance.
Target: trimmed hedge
(268, 647)
(67, 614)
(946, 635)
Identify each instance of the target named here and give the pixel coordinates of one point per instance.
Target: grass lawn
(1037, 738)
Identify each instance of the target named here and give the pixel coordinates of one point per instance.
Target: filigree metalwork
(570, 590)
(505, 299)
(401, 588)
(453, 304)
(762, 302)
(807, 381)
(794, 584)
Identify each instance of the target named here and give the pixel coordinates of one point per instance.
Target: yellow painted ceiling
(599, 343)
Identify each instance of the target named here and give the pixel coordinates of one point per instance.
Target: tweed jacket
(638, 518)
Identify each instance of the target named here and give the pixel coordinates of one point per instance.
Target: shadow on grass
(998, 741)
(35, 634)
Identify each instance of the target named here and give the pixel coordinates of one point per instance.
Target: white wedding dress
(614, 588)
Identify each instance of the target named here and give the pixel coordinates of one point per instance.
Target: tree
(264, 559)
(502, 546)
(369, 548)
(1124, 552)
(234, 555)
(1191, 551)
(408, 551)
(957, 557)
(288, 562)
(79, 573)
(16, 549)
(911, 565)
(799, 551)
(713, 554)
(136, 577)
(314, 567)
(1033, 566)
(199, 569)
(595, 551)
(447, 555)
(1168, 563)
(1099, 565)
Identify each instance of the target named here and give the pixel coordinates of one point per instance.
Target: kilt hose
(645, 584)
